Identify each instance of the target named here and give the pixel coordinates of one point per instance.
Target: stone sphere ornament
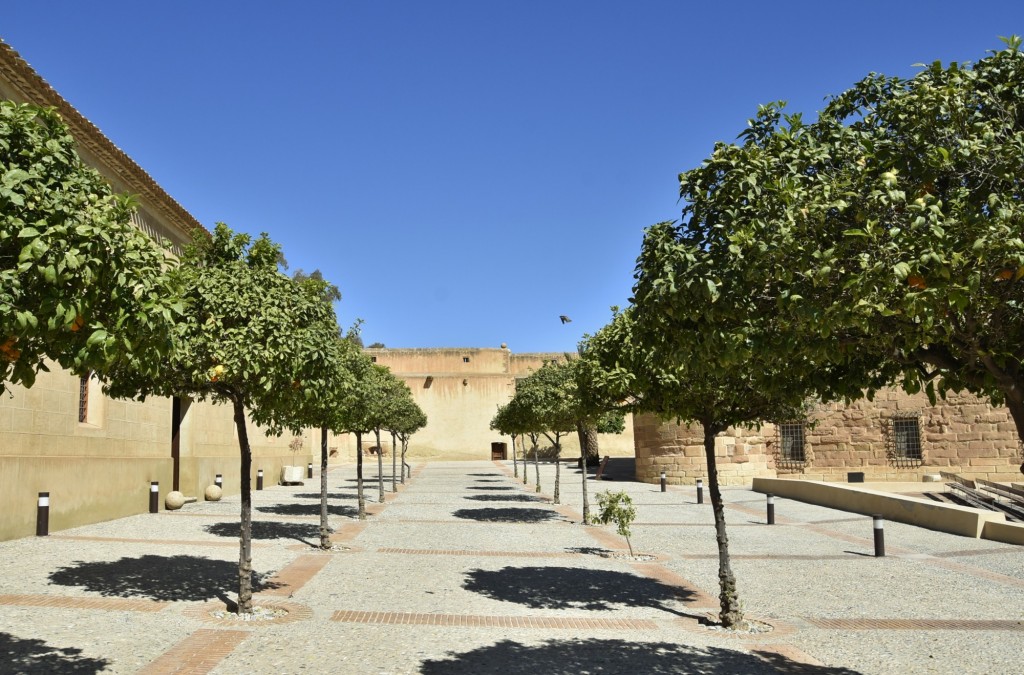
(174, 501)
(213, 493)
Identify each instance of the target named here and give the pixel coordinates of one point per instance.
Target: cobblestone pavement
(468, 570)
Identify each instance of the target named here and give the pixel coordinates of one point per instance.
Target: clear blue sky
(464, 171)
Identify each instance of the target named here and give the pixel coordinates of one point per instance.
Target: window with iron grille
(904, 441)
(83, 398)
(791, 445)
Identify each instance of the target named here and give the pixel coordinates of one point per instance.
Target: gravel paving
(465, 544)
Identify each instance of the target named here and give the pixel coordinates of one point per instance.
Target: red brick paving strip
(917, 624)
(689, 593)
(64, 602)
(162, 542)
(421, 618)
(295, 574)
(788, 659)
(199, 653)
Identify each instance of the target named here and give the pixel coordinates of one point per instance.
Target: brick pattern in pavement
(197, 654)
(66, 602)
(482, 621)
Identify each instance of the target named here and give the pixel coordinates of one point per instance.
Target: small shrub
(616, 507)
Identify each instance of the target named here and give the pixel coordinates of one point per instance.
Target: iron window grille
(791, 445)
(903, 442)
(83, 398)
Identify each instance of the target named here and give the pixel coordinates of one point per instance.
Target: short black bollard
(154, 497)
(876, 521)
(309, 470)
(259, 479)
(219, 481)
(43, 515)
(700, 491)
(771, 509)
(663, 486)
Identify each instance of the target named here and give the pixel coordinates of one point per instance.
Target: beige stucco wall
(102, 470)
(460, 398)
(963, 434)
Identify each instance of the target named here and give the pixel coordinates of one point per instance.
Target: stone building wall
(962, 434)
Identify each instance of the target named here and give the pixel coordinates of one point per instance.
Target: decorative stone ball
(504, 346)
(174, 501)
(213, 493)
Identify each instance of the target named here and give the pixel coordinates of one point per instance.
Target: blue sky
(464, 171)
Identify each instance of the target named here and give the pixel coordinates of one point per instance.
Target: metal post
(663, 487)
(309, 470)
(219, 481)
(771, 509)
(154, 497)
(43, 515)
(259, 479)
(876, 521)
(700, 491)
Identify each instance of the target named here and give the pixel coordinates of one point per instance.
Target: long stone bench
(950, 518)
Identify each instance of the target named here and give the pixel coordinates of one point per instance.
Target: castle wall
(962, 434)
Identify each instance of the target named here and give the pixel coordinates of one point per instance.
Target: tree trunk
(245, 538)
(731, 614)
(325, 530)
(536, 461)
(590, 450)
(515, 460)
(394, 459)
(405, 446)
(380, 466)
(359, 475)
(558, 468)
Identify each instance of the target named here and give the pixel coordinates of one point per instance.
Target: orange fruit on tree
(917, 282)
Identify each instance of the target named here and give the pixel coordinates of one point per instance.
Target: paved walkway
(466, 570)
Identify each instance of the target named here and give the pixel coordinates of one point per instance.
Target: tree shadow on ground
(28, 655)
(607, 656)
(330, 495)
(574, 588)
(588, 550)
(505, 498)
(487, 480)
(509, 515)
(483, 474)
(268, 530)
(488, 487)
(307, 510)
(157, 577)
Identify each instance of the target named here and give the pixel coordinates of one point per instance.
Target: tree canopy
(79, 283)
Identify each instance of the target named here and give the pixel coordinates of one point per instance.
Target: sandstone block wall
(962, 434)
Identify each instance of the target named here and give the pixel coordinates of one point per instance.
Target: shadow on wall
(27, 655)
(575, 588)
(509, 515)
(157, 577)
(572, 656)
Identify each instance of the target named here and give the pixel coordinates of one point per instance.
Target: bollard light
(771, 509)
(663, 487)
(309, 470)
(876, 521)
(154, 497)
(219, 481)
(43, 515)
(700, 491)
(259, 479)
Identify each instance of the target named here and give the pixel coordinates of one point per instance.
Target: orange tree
(250, 338)
(887, 236)
(407, 420)
(79, 284)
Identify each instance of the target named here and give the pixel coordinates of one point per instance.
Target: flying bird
(565, 319)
